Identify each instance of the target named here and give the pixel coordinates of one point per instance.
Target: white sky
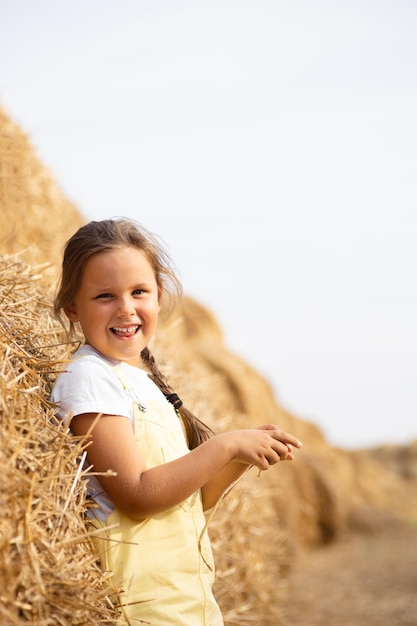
(272, 145)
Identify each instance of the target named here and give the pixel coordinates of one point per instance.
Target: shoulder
(89, 384)
(86, 360)
(89, 365)
(85, 367)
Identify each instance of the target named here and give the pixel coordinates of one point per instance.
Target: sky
(272, 144)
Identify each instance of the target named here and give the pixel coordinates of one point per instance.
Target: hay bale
(36, 217)
(252, 553)
(400, 459)
(48, 570)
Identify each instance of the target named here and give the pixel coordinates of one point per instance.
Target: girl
(158, 466)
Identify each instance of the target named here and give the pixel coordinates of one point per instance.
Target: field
(363, 580)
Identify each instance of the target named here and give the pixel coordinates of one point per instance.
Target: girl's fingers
(284, 451)
(278, 452)
(282, 436)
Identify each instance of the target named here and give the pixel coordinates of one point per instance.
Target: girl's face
(117, 304)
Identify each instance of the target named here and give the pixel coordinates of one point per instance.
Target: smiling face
(117, 304)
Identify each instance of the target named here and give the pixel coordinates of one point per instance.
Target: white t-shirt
(92, 383)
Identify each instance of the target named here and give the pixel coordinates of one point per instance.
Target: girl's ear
(160, 291)
(71, 312)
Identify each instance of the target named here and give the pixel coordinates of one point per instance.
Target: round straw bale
(48, 569)
(36, 216)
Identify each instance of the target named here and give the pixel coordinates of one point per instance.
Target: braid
(197, 432)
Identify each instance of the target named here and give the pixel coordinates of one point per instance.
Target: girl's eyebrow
(138, 285)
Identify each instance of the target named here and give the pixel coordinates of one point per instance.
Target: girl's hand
(263, 446)
(290, 440)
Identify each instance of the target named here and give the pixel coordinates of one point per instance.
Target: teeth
(130, 329)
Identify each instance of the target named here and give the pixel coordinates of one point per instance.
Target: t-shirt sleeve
(90, 386)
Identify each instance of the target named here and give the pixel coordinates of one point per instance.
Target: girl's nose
(126, 307)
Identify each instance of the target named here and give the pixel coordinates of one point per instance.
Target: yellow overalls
(164, 574)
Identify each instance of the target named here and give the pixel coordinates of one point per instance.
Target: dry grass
(36, 217)
(48, 571)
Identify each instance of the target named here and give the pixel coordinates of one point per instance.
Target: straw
(48, 565)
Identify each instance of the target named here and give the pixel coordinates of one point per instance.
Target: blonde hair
(103, 236)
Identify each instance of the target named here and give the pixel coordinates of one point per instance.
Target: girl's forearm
(164, 486)
(215, 487)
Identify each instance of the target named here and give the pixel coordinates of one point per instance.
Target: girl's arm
(140, 492)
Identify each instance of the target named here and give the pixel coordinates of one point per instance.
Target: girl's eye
(138, 292)
(103, 296)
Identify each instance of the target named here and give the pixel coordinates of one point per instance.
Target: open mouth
(124, 331)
